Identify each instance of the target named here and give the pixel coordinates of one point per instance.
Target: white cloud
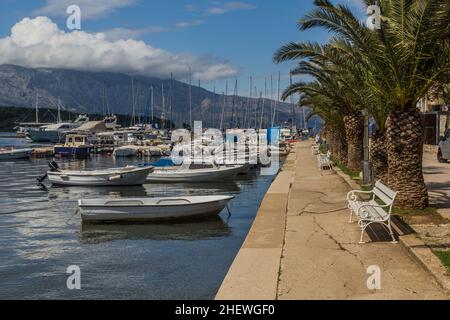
(89, 8)
(230, 6)
(38, 42)
(219, 8)
(188, 24)
(216, 71)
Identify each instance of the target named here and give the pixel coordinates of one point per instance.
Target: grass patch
(444, 256)
(323, 148)
(355, 175)
(428, 215)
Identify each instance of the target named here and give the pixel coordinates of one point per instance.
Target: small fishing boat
(151, 209)
(128, 176)
(76, 145)
(180, 174)
(11, 154)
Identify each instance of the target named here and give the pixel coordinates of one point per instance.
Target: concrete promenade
(301, 246)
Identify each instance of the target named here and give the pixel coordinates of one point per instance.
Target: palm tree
(405, 58)
(328, 66)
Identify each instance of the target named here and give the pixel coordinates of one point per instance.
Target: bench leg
(394, 241)
(361, 241)
(351, 215)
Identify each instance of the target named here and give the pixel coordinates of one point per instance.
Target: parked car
(444, 148)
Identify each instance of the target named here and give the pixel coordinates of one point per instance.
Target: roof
(92, 126)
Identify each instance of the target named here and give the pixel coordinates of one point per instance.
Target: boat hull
(52, 136)
(134, 177)
(150, 213)
(73, 151)
(195, 175)
(15, 154)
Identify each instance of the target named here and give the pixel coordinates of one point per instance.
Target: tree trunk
(405, 156)
(354, 127)
(340, 148)
(379, 157)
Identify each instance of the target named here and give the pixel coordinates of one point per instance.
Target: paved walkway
(437, 180)
(301, 246)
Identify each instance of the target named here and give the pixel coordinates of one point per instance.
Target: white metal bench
(370, 211)
(324, 161)
(315, 149)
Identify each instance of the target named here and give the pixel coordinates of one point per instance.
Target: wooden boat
(179, 174)
(151, 209)
(11, 154)
(129, 176)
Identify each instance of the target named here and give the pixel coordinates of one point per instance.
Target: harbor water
(41, 236)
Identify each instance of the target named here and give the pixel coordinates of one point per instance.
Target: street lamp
(367, 164)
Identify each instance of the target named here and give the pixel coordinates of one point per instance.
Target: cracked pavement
(321, 257)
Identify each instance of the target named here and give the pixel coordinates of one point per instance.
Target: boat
(56, 133)
(126, 151)
(128, 176)
(181, 174)
(151, 209)
(76, 145)
(11, 154)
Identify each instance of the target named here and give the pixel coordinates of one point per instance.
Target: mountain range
(103, 92)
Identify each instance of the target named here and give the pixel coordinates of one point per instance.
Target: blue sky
(219, 39)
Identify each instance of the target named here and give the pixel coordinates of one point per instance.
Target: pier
(301, 246)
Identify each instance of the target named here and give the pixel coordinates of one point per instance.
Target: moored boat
(180, 174)
(128, 176)
(76, 145)
(11, 154)
(151, 209)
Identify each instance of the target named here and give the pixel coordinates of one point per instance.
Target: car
(444, 148)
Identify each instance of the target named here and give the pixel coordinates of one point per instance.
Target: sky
(213, 41)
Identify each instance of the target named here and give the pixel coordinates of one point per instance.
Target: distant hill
(98, 92)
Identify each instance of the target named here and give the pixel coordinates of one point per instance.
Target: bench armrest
(351, 196)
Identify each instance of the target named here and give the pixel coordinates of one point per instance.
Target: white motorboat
(180, 174)
(11, 154)
(126, 151)
(129, 176)
(151, 209)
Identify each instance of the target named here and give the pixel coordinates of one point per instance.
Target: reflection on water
(40, 237)
(202, 230)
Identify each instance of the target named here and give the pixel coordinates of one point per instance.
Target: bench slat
(383, 197)
(385, 189)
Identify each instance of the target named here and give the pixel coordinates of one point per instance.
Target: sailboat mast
(171, 102)
(163, 103)
(272, 108)
(213, 106)
(132, 102)
(59, 110)
(277, 101)
(190, 98)
(152, 106)
(199, 98)
(37, 107)
(263, 103)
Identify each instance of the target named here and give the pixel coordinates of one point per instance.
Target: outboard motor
(53, 166)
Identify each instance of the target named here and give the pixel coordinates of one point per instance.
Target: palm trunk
(405, 156)
(331, 142)
(342, 148)
(354, 127)
(379, 157)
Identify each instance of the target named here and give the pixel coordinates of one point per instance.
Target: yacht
(56, 133)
